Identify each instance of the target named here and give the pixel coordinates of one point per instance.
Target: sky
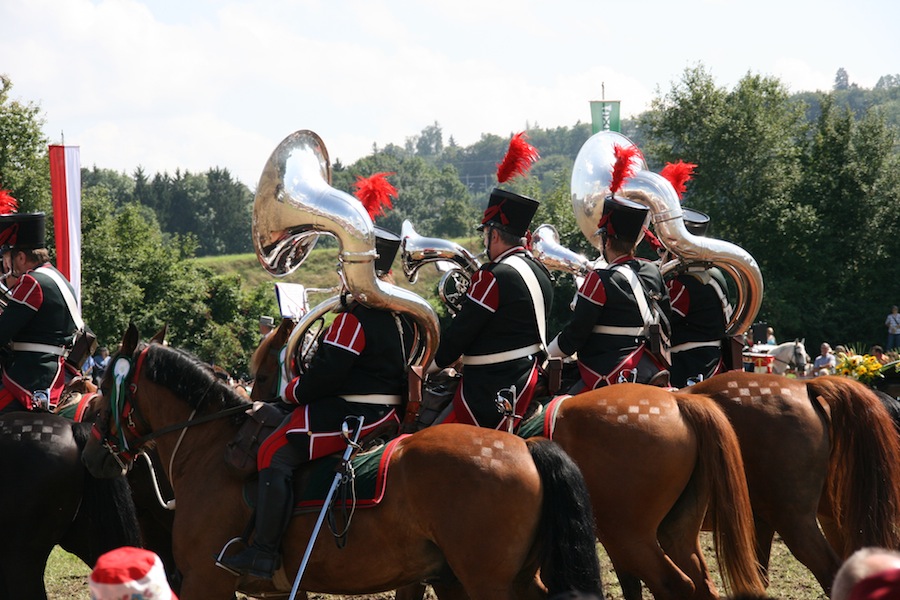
(197, 84)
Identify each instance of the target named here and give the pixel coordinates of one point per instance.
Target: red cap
(129, 572)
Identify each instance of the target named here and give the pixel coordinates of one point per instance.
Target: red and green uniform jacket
(36, 320)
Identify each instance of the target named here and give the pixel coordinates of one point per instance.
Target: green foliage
(813, 202)
(23, 152)
(212, 207)
(132, 272)
(431, 197)
(806, 183)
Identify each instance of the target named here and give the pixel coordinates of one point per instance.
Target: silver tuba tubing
(416, 251)
(591, 176)
(295, 203)
(547, 249)
(656, 192)
(297, 340)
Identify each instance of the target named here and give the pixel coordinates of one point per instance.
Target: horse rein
(125, 388)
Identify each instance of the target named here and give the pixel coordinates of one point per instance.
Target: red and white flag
(65, 183)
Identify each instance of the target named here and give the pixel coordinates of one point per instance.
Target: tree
(227, 204)
(841, 80)
(813, 203)
(431, 197)
(429, 143)
(852, 187)
(120, 186)
(132, 272)
(886, 82)
(747, 145)
(24, 169)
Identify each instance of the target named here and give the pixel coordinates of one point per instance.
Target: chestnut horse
(79, 402)
(265, 363)
(670, 455)
(821, 447)
(478, 509)
(655, 461)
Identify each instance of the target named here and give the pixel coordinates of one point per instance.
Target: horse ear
(130, 339)
(160, 337)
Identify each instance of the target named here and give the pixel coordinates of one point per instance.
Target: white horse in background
(786, 355)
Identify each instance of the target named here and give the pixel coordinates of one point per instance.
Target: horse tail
(569, 558)
(863, 483)
(107, 505)
(720, 463)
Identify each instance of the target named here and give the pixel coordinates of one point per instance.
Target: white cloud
(168, 84)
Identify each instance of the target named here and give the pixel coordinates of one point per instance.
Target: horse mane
(107, 517)
(188, 377)
(782, 347)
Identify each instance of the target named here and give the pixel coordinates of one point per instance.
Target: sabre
(352, 444)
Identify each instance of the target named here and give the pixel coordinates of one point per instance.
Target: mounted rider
(41, 320)
(499, 334)
(617, 307)
(700, 310)
(359, 368)
(619, 328)
(500, 330)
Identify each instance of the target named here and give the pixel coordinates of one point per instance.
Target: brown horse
(480, 510)
(265, 363)
(821, 447)
(654, 462)
(80, 402)
(677, 454)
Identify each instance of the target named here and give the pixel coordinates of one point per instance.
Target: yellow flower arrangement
(864, 368)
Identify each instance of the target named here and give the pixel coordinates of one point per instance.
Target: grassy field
(67, 576)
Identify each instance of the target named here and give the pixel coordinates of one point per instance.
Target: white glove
(432, 368)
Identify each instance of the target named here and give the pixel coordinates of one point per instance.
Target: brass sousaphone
(591, 176)
(294, 205)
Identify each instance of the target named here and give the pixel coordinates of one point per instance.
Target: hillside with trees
(808, 183)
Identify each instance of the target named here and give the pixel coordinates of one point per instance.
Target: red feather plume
(624, 166)
(678, 174)
(519, 158)
(375, 193)
(8, 204)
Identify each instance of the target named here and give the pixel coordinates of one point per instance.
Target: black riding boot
(273, 511)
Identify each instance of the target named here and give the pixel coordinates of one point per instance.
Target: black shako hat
(623, 219)
(386, 245)
(509, 212)
(695, 221)
(22, 231)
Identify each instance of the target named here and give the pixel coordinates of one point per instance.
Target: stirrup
(221, 556)
(252, 561)
(661, 379)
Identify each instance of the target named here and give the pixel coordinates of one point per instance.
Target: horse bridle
(116, 439)
(796, 357)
